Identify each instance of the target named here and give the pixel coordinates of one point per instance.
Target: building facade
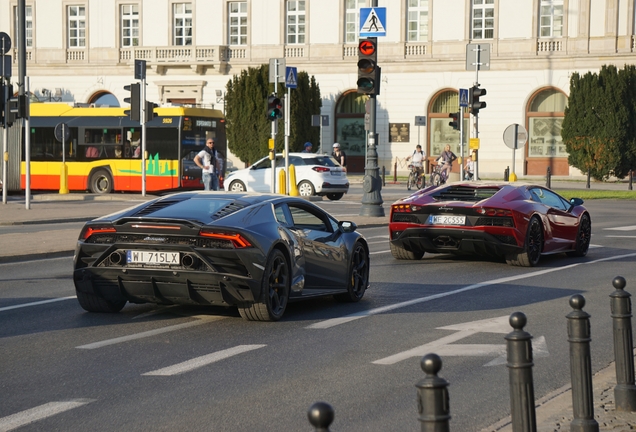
(83, 51)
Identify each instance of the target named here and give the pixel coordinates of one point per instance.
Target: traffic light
(473, 99)
(368, 69)
(150, 113)
(274, 107)
(134, 113)
(455, 123)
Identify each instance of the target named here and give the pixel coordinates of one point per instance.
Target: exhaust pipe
(189, 261)
(116, 258)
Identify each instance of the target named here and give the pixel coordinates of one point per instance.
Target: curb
(11, 259)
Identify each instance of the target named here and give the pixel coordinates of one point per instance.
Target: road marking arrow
(443, 347)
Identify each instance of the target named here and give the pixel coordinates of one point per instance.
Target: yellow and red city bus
(103, 151)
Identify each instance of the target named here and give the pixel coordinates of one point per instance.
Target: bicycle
(414, 178)
(438, 176)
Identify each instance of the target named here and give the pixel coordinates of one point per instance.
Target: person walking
(208, 160)
(308, 147)
(340, 156)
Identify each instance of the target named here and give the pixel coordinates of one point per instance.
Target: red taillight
(321, 169)
(403, 208)
(494, 212)
(95, 230)
(237, 240)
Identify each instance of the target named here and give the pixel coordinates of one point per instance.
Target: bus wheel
(101, 182)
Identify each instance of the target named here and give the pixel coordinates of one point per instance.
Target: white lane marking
(37, 303)
(377, 242)
(592, 246)
(379, 252)
(149, 333)
(618, 236)
(32, 415)
(623, 228)
(378, 236)
(363, 314)
(205, 360)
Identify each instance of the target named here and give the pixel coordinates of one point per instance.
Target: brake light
(321, 169)
(237, 239)
(404, 208)
(89, 231)
(494, 212)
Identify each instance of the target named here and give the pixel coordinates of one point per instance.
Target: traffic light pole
(274, 130)
(142, 120)
(461, 141)
(5, 104)
(372, 184)
(476, 161)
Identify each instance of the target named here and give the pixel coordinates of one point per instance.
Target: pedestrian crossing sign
(291, 77)
(372, 22)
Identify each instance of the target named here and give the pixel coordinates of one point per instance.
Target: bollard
(581, 367)
(621, 307)
(548, 178)
(432, 396)
(383, 176)
(395, 173)
(321, 415)
(631, 178)
(506, 173)
(519, 349)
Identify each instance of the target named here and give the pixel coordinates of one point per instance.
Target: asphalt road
(196, 369)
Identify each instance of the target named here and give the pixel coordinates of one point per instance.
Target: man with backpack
(210, 163)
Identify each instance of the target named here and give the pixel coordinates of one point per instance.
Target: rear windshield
(324, 160)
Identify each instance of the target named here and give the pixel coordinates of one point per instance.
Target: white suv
(316, 174)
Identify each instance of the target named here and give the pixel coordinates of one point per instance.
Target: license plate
(336, 173)
(148, 257)
(446, 220)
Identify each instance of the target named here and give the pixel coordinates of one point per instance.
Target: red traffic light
(366, 47)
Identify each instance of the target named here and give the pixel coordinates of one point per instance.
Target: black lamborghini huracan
(252, 251)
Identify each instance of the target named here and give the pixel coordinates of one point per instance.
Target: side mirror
(347, 226)
(575, 202)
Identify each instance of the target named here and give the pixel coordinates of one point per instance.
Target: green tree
(599, 123)
(247, 127)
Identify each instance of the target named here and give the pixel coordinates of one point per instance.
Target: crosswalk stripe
(148, 333)
(37, 303)
(32, 415)
(622, 228)
(205, 360)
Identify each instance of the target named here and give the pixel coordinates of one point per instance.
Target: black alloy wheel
(532, 247)
(583, 237)
(275, 291)
(94, 303)
(403, 254)
(358, 279)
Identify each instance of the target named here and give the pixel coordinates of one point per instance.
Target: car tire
(94, 303)
(403, 254)
(237, 186)
(532, 247)
(583, 237)
(335, 196)
(358, 275)
(101, 182)
(306, 189)
(275, 289)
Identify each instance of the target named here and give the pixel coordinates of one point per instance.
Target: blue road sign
(463, 97)
(291, 77)
(372, 22)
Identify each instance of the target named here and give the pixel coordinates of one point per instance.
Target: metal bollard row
(432, 391)
(621, 307)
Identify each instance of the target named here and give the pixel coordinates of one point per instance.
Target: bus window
(161, 142)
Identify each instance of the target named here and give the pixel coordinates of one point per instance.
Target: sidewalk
(30, 240)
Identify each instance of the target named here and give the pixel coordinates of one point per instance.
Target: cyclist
(417, 159)
(446, 159)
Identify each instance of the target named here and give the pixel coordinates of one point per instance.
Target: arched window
(545, 118)
(349, 127)
(441, 133)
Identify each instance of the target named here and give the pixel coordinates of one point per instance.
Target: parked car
(515, 221)
(255, 252)
(316, 174)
